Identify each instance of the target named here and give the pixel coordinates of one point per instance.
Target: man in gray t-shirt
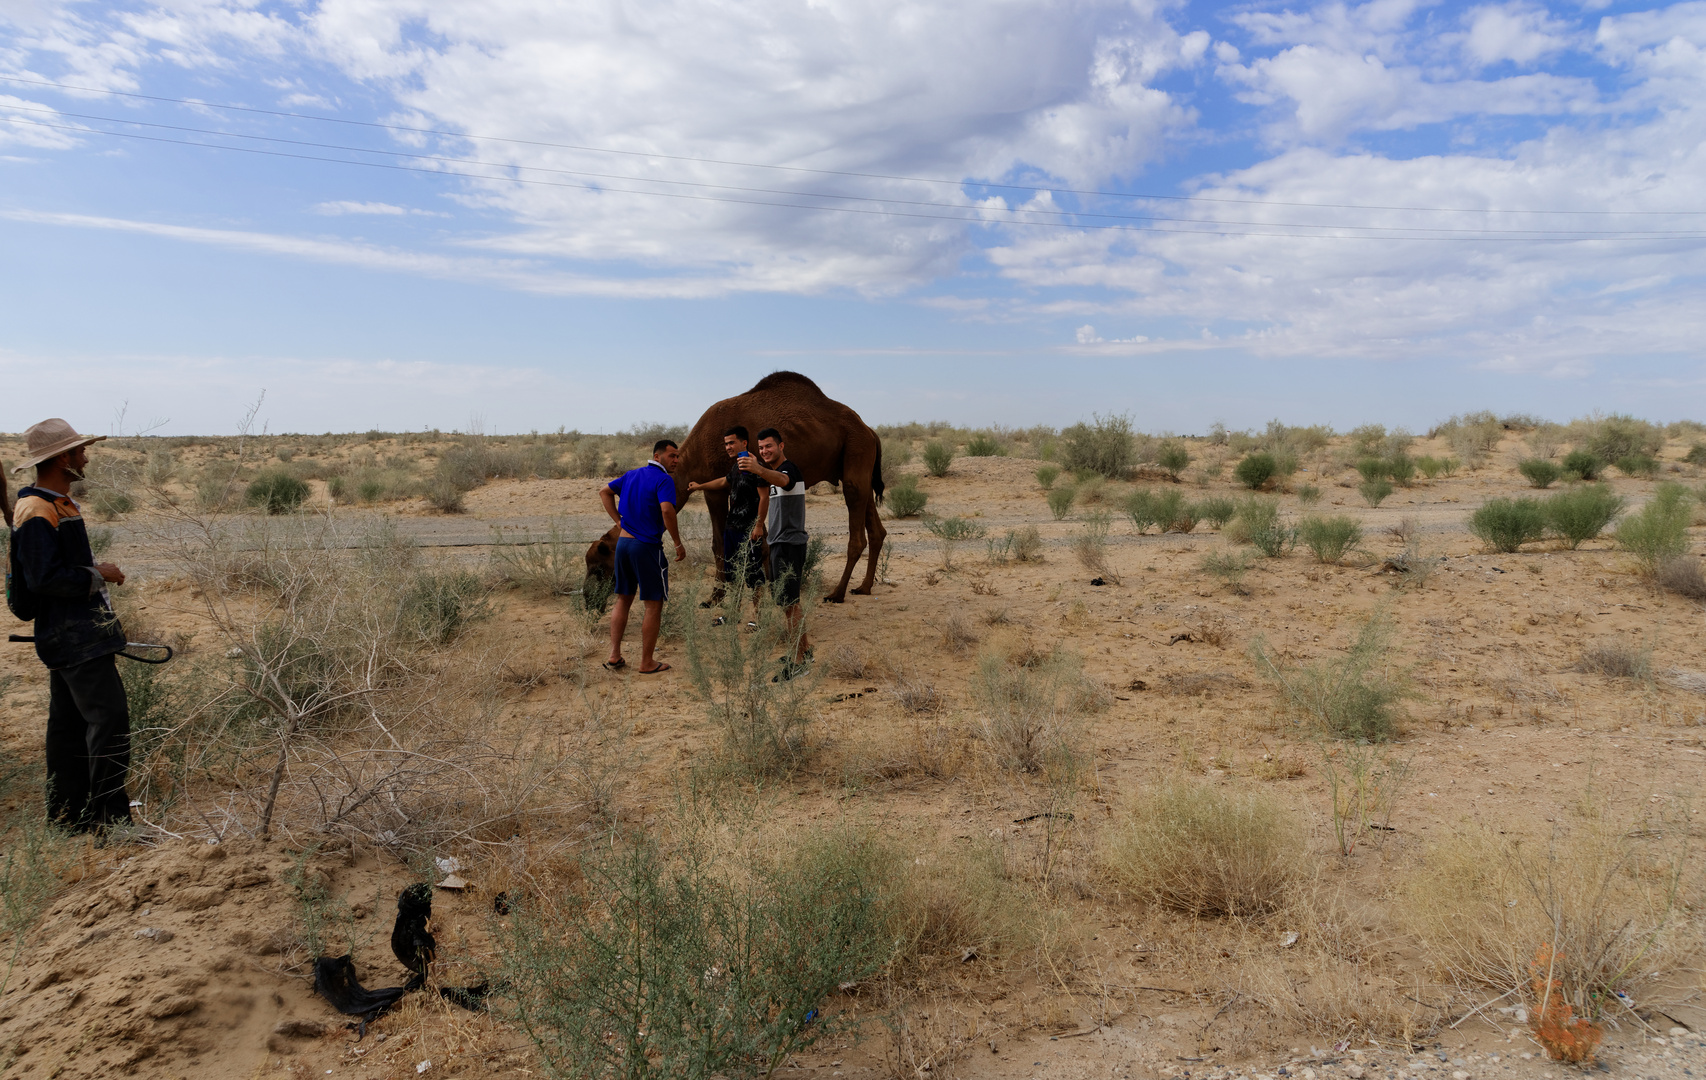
(786, 529)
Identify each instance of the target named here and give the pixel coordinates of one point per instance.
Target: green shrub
(1401, 469)
(1047, 475)
(443, 494)
(1373, 468)
(550, 566)
(1449, 466)
(1638, 465)
(1374, 492)
(904, 498)
(678, 970)
(1256, 470)
(1217, 511)
(276, 491)
(1105, 446)
(984, 444)
(1060, 500)
(1032, 714)
(1229, 567)
(1696, 454)
(1173, 457)
(1507, 524)
(1205, 851)
(1263, 528)
(1173, 513)
(109, 502)
(1357, 696)
(954, 528)
(1582, 513)
(1308, 494)
(938, 455)
(1658, 532)
(1430, 466)
(1140, 508)
(1329, 538)
(438, 606)
(1540, 472)
(1583, 465)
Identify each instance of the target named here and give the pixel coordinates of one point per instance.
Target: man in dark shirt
(647, 508)
(786, 530)
(749, 501)
(58, 583)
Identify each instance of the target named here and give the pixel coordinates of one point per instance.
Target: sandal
(616, 666)
(661, 667)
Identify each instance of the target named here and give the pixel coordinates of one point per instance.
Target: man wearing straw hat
(54, 579)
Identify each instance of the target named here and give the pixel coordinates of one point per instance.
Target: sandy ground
(171, 959)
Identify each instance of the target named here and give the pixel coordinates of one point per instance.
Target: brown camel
(825, 438)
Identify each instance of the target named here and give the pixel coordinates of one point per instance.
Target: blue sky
(987, 212)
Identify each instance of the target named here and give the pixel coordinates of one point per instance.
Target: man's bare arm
(608, 498)
(669, 523)
(718, 484)
(759, 527)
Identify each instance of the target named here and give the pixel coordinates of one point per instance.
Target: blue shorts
(641, 568)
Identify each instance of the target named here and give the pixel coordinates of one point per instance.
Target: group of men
(52, 579)
(766, 504)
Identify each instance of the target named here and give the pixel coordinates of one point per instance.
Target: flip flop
(661, 667)
(617, 666)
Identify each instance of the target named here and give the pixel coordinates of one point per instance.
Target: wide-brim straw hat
(51, 438)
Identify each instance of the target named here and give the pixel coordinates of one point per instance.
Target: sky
(589, 214)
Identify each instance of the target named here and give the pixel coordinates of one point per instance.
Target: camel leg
(877, 534)
(857, 499)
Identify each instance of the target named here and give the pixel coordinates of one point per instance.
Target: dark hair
(769, 433)
(657, 447)
(738, 431)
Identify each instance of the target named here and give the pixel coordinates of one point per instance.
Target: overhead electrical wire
(1524, 234)
(992, 185)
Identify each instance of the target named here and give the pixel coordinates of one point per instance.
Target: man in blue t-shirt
(646, 497)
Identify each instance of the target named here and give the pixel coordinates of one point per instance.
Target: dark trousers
(88, 745)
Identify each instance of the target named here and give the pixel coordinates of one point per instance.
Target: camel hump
(791, 380)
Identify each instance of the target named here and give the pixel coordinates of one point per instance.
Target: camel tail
(877, 474)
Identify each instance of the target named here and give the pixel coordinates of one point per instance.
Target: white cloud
(1517, 32)
(342, 207)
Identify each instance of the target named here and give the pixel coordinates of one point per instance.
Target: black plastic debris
(414, 946)
(335, 980)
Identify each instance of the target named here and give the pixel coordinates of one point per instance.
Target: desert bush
(161, 468)
(1027, 544)
(36, 854)
(764, 719)
(1658, 532)
(1173, 457)
(1401, 469)
(1683, 577)
(1257, 522)
(1139, 507)
(1173, 513)
(683, 969)
(1031, 714)
(985, 444)
(1329, 538)
(1091, 547)
(1583, 465)
(951, 532)
(1471, 436)
(905, 499)
(1638, 465)
(1256, 470)
(915, 693)
(1360, 695)
(276, 491)
(1430, 466)
(1374, 492)
(552, 565)
(1616, 437)
(1582, 513)
(938, 455)
(1308, 494)
(1373, 468)
(1618, 660)
(957, 633)
(1206, 851)
(439, 605)
(1600, 905)
(1047, 475)
(1230, 568)
(1217, 511)
(1104, 446)
(1507, 524)
(1540, 472)
(1696, 454)
(1060, 500)
(444, 495)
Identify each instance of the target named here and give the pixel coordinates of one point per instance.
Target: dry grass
(1617, 660)
(1205, 851)
(916, 694)
(1608, 894)
(957, 634)
(847, 662)
(1683, 577)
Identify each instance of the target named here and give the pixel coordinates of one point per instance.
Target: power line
(787, 193)
(821, 172)
(970, 220)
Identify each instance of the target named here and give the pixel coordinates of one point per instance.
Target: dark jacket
(74, 621)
